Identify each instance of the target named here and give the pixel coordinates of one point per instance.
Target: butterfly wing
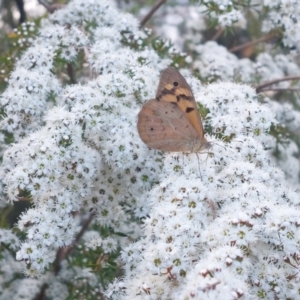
(162, 125)
(174, 88)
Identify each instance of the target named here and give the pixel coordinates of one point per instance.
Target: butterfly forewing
(163, 125)
(174, 88)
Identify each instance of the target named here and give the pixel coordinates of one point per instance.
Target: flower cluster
(202, 228)
(232, 17)
(221, 228)
(284, 13)
(215, 62)
(287, 150)
(61, 167)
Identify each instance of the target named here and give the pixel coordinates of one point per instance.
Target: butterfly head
(207, 145)
(200, 145)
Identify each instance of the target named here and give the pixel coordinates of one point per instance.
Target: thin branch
(20, 4)
(218, 34)
(261, 87)
(280, 89)
(50, 7)
(252, 43)
(42, 293)
(87, 55)
(45, 4)
(156, 6)
(63, 253)
(70, 71)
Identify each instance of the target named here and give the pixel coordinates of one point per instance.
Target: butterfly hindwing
(162, 125)
(174, 88)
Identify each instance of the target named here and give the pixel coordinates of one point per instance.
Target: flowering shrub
(134, 222)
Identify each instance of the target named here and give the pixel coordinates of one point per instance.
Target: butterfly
(171, 121)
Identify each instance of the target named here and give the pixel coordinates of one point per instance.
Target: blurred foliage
(12, 46)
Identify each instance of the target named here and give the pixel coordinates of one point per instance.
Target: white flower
(231, 17)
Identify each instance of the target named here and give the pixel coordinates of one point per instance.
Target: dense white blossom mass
(227, 228)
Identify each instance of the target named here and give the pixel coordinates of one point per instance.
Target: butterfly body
(171, 122)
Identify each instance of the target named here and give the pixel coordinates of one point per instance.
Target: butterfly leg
(199, 166)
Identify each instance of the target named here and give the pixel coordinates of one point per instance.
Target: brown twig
(42, 292)
(252, 43)
(21, 8)
(217, 34)
(70, 71)
(45, 4)
(50, 7)
(63, 253)
(259, 88)
(87, 55)
(156, 6)
(280, 89)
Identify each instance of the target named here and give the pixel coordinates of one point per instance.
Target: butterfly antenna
(199, 166)
(182, 163)
(214, 143)
(212, 206)
(206, 156)
(237, 141)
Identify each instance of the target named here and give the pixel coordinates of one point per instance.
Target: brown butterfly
(171, 122)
